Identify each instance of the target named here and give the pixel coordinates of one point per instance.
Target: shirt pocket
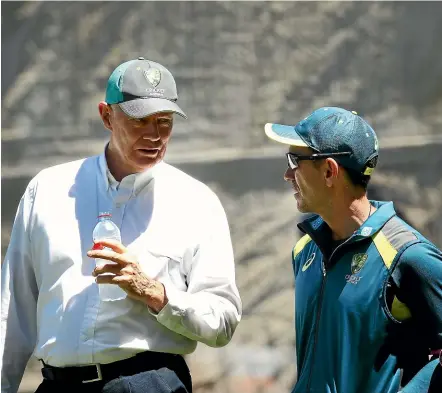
(164, 266)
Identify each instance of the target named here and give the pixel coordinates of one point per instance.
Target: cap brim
(284, 134)
(143, 107)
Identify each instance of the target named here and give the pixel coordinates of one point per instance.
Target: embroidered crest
(357, 262)
(153, 75)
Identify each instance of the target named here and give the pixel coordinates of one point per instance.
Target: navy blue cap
(333, 130)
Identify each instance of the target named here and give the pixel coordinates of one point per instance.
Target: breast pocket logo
(357, 263)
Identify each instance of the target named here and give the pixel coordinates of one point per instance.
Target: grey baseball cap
(141, 88)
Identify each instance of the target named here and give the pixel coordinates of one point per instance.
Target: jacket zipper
(318, 317)
(318, 314)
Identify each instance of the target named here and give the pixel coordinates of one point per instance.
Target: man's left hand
(127, 274)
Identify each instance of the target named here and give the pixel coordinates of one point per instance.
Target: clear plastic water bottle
(107, 229)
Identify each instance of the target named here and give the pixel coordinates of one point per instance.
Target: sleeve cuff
(174, 308)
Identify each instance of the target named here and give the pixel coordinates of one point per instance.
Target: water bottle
(107, 229)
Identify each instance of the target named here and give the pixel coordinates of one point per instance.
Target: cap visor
(284, 134)
(143, 107)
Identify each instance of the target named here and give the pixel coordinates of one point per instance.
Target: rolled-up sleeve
(210, 310)
(18, 300)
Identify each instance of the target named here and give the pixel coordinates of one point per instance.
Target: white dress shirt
(50, 306)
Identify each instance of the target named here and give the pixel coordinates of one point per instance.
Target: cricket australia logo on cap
(153, 76)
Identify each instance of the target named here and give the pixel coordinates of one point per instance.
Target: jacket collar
(320, 232)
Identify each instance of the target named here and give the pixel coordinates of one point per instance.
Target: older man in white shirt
(175, 261)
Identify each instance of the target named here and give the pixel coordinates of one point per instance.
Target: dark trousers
(141, 374)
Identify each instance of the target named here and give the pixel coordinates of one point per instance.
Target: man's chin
(300, 205)
(301, 209)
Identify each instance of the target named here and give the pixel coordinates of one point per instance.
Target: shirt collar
(135, 181)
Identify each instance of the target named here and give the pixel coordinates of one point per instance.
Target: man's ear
(105, 113)
(331, 170)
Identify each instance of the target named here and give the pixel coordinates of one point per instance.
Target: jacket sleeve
(210, 310)
(419, 278)
(18, 300)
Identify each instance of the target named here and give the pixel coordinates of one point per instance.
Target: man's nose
(289, 174)
(152, 132)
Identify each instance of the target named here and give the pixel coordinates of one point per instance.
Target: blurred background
(238, 65)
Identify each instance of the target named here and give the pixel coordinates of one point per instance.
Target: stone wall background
(238, 65)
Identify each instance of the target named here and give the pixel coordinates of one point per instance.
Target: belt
(141, 362)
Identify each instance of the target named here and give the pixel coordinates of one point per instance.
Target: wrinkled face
(136, 144)
(308, 182)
